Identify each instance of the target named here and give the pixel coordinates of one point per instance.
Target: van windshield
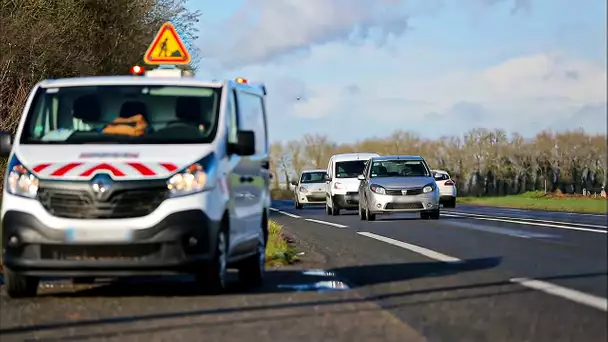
(133, 114)
(350, 169)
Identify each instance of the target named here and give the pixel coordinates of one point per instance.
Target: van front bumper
(180, 243)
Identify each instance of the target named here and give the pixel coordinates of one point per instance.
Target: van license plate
(97, 235)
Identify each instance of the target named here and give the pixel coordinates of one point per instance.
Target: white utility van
(183, 190)
(341, 182)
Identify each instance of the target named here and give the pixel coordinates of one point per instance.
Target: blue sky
(436, 67)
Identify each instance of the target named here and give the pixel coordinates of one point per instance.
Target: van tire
(20, 286)
(212, 278)
(253, 269)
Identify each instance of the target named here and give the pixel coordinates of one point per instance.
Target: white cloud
(524, 94)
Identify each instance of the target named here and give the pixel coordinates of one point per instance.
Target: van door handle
(246, 179)
(266, 165)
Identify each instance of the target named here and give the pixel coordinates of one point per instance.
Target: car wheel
(327, 209)
(434, 215)
(253, 269)
(369, 216)
(213, 277)
(424, 215)
(298, 205)
(20, 286)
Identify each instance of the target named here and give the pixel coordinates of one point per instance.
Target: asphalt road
(477, 274)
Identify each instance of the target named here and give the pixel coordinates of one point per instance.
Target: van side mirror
(327, 178)
(245, 145)
(6, 144)
(361, 177)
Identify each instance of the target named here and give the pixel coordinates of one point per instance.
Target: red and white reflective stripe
(87, 170)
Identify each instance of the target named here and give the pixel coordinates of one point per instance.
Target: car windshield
(312, 177)
(139, 114)
(399, 168)
(349, 169)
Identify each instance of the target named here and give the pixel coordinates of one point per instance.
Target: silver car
(310, 188)
(396, 184)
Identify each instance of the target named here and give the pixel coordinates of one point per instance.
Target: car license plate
(98, 235)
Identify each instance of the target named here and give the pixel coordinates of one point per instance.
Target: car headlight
(428, 188)
(377, 189)
(21, 182)
(195, 178)
(303, 189)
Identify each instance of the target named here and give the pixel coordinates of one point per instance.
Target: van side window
(251, 118)
(232, 118)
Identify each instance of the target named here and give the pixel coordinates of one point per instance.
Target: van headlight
(428, 188)
(21, 182)
(193, 179)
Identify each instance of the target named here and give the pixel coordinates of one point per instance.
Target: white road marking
(564, 292)
(416, 249)
(603, 231)
(285, 213)
(532, 220)
(327, 223)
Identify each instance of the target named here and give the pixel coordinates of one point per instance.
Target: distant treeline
(482, 162)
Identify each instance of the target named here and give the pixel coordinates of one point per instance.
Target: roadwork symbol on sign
(167, 48)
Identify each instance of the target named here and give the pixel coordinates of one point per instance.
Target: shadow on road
(359, 276)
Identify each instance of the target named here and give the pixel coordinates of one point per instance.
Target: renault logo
(101, 185)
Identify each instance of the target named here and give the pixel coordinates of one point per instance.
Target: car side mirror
(327, 178)
(361, 177)
(245, 143)
(437, 176)
(6, 144)
(294, 183)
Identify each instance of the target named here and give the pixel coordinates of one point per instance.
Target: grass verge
(538, 200)
(278, 251)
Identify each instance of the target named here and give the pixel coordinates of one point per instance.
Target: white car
(310, 189)
(447, 188)
(341, 182)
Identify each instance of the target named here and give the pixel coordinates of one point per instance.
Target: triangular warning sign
(167, 48)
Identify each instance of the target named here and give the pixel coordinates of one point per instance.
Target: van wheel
(335, 211)
(362, 213)
(212, 278)
(253, 269)
(20, 286)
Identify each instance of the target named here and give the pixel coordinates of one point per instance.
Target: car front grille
(81, 204)
(410, 192)
(415, 205)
